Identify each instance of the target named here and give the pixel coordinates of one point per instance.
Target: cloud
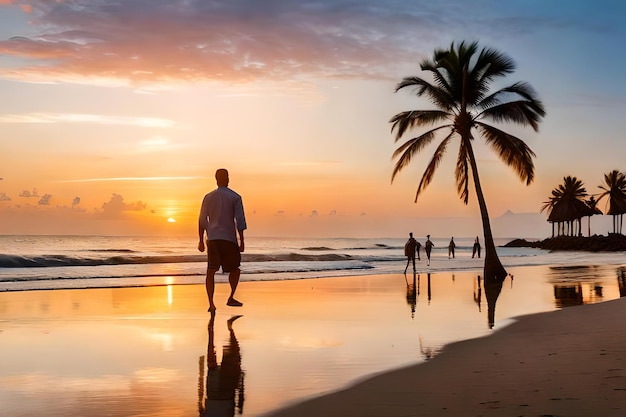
(36, 118)
(131, 179)
(45, 200)
(4, 197)
(234, 40)
(116, 205)
(29, 194)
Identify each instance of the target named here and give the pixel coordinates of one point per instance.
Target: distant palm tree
(567, 205)
(615, 189)
(592, 203)
(462, 79)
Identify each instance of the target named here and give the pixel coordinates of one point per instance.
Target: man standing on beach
(410, 247)
(222, 218)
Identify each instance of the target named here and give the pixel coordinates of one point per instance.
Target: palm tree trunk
(493, 269)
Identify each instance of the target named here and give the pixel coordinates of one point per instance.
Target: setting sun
(171, 220)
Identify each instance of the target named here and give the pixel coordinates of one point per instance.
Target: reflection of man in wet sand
(224, 383)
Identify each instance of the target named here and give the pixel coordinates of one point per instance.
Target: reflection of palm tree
(492, 292)
(614, 188)
(461, 93)
(621, 281)
(225, 381)
(568, 295)
(478, 292)
(566, 205)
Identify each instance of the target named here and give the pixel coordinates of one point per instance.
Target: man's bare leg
(233, 280)
(210, 287)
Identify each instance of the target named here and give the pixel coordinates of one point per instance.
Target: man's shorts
(223, 253)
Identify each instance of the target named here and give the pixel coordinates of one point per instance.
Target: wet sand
(566, 363)
(144, 351)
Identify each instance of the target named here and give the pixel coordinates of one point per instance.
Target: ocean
(109, 352)
(74, 262)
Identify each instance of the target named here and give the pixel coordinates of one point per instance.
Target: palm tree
(461, 92)
(593, 210)
(567, 205)
(615, 189)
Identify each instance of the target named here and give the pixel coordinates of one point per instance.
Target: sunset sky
(114, 116)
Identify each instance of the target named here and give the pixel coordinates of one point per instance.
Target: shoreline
(367, 320)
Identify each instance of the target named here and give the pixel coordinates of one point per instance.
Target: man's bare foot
(234, 303)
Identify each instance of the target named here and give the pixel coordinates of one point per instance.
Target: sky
(115, 115)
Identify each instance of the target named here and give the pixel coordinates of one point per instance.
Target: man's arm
(202, 224)
(240, 221)
(242, 246)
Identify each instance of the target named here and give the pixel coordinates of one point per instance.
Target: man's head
(410, 234)
(221, 176)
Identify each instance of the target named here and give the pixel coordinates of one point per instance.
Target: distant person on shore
(221, 218)
(451, 247)
(411, 247)
(476, 248)
(428, 246)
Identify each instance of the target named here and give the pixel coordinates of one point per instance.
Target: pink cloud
(158, 40)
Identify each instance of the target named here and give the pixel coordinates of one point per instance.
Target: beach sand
(143, 351)
(566, 363)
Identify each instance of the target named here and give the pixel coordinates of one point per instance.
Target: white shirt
(221, 214)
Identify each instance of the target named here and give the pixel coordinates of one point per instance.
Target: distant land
(534, 226)
(611, 243)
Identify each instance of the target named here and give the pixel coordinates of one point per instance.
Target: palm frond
(410, 148)
(517, 90)
(511, 150)
(432, 165)
(492, 64)
(438, 95)
(514, 93)
(520, 112)
(404, 121)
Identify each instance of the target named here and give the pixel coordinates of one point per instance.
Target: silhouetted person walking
(476, 248)
(451, 247)
(411, 247)
(428, 246)
(221, 218)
